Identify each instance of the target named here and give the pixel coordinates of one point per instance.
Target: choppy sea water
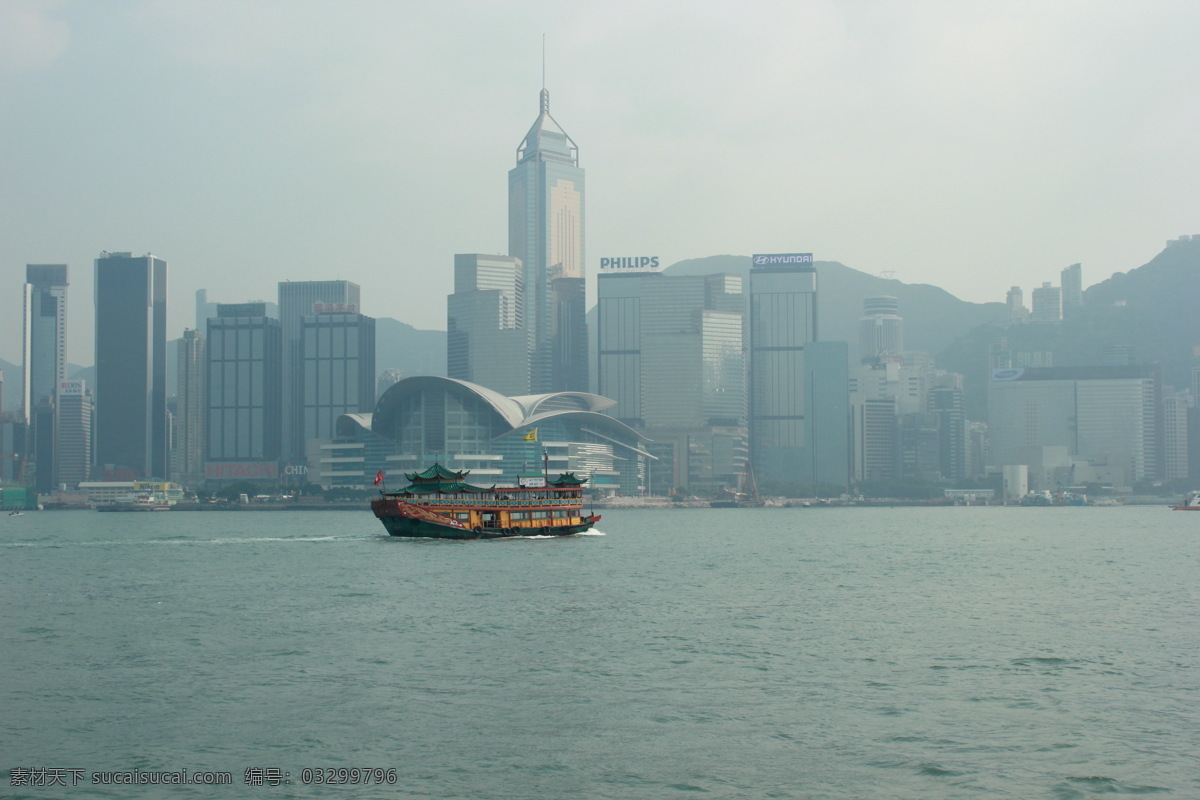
(725, 653)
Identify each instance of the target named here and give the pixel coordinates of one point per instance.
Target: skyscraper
(244, 362)
(298, 299)
(1072, 290)
(337, 353)
(1047, 304)
(783, 318)
(486, 339)
(190, 407)
(880, 329)
(545, 231)
(671, 355)
(946, 404)
(1017, 312)
(131, 364)
(1104, 416)
(799, 408)
(45, 363)
(45, 333)
(73, 453)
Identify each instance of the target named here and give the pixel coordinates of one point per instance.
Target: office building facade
(875, 439)
(1015, 303)
(783, 319)
(486, 339)
(671, 355)
(131, 364)
(880, 330)
(73, 434)
(1072, 290)
(1047, 304)
(546, 232)
(337, 355)
(1175, 437)
(45, 332)
(191, 411)
(298, 299)
(946, 405)
(44, 354)
(1102, 416)
(244, 358)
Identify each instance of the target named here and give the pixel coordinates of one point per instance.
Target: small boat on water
(1191, 502)
(439, 503)
(16, 513)
(140, 503)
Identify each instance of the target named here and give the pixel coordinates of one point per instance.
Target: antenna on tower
(543, 61)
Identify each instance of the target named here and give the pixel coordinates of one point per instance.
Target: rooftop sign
(630, 264)
(782, 258)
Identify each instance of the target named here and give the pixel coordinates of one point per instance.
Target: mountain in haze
(11, 400)
(1148, 313)
(933, 318)
(399, 345)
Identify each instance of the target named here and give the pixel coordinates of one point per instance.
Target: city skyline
(913, 141)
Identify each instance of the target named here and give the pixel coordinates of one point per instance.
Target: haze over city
(971, 145)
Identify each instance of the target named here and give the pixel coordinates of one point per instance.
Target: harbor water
(727, 653)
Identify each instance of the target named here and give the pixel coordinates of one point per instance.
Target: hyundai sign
(630, 264)
(781, 259)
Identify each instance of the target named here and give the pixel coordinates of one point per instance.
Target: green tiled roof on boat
(435, 473)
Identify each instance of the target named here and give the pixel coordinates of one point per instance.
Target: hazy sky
(971, 145)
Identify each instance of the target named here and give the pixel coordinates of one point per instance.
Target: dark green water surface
(722, 653)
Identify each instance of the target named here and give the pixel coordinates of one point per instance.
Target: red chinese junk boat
(440, 503)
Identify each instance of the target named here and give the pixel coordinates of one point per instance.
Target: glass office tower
(671, 355)
(298, 299)
(783, 319)
(799, 401)
(73, 451)
(190, 407)
(45, 332)
(337, 353)
(486, 339)
(545, 219)
(1103, 415)
(131, 365)
(244, 357)
(44, 363)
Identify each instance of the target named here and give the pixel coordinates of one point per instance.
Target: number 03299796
(342, 775)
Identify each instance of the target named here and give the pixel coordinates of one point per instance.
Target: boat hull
(405, 519)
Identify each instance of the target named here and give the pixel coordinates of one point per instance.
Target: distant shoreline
(643, 505)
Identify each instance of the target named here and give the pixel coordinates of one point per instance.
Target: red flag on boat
(379, 477)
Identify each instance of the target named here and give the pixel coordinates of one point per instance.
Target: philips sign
(782, 258)
(630, 264)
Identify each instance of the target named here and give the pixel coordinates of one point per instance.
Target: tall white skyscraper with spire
(545, 231)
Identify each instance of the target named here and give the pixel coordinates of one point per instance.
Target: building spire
(544, 97)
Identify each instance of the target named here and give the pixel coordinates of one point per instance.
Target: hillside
(1147, 310)
(399, 345)
(933, 318)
